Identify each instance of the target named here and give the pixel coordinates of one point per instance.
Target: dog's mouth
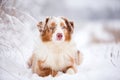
(59, 36)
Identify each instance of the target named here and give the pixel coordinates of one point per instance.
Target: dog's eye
(63, 27)
(52, 28)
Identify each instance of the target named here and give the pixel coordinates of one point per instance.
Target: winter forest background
(97, 35)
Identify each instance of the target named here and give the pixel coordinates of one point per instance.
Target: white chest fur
(56, 56)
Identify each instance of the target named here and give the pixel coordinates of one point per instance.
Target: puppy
(56, 50)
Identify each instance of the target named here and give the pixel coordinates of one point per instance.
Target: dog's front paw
(30, 61)
(70, 71)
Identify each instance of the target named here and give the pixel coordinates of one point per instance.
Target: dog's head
(57, 29)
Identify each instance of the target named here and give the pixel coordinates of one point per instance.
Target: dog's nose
(59, 36)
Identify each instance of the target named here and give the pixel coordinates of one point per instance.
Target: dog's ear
(72, 24)
(69, 24)
(46, 21)
(40, 26)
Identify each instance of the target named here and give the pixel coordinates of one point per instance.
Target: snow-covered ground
(101, 54)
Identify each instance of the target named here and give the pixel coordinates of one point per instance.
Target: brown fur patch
(40, 26)
(52, 27)
(69, 24)
(72, 60)
(67, 35)
(62, 24)
(54, 73)
(65, 70)
(47, 35)
(46, 22)
(53, 24)
(42, 71)
(72, 24)
(69, 30)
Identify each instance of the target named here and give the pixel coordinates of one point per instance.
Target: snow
(89, 3)
(17, 38)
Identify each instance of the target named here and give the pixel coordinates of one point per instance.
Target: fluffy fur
(56, 51)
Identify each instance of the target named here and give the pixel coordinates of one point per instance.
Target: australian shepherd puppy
(56, 50)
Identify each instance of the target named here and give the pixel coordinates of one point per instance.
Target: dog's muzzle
(59, 36)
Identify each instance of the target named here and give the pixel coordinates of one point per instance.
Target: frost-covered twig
(113, 63)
